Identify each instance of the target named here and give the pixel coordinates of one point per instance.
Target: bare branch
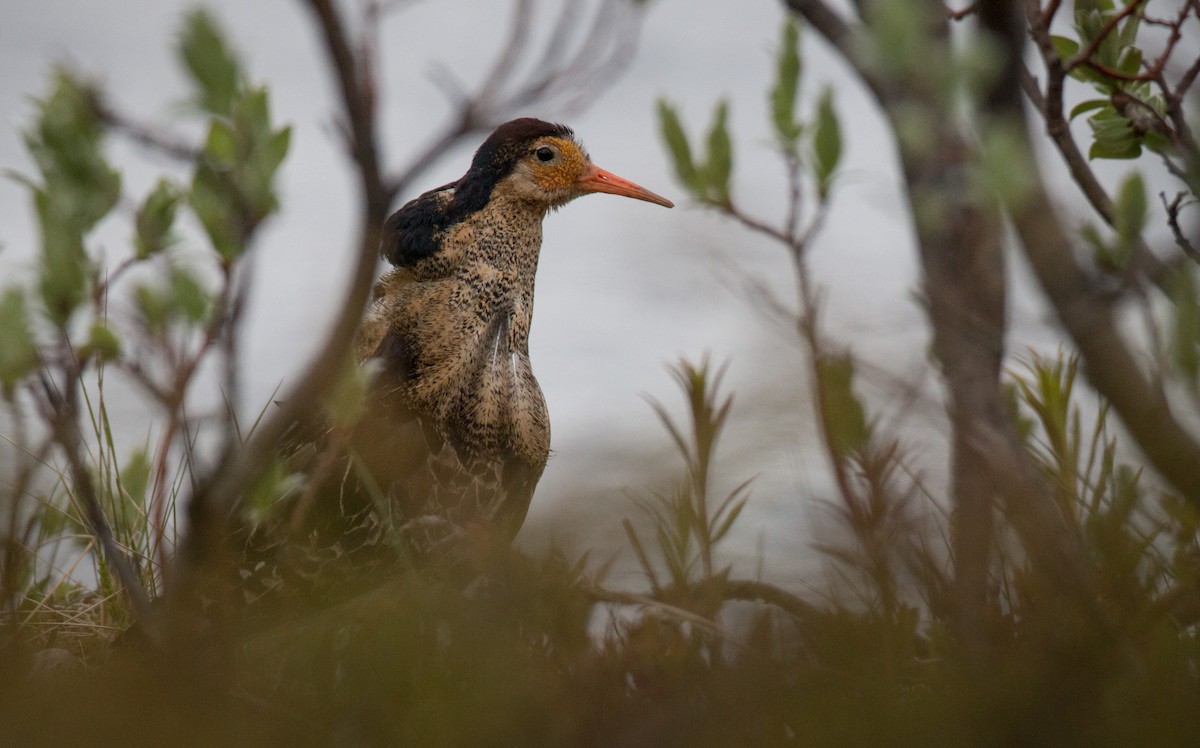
(769, 593)
(1181, 239)
(145, 136)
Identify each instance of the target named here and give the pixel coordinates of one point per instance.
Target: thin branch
(145, 136)
(1181, 239)
(1085, 55)
(242, 464)
(769, 593)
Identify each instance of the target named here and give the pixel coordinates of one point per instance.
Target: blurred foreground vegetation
(133, 612)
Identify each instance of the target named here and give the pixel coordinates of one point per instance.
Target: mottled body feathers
(458, 431)
(451, 332)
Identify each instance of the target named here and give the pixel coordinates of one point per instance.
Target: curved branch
(242, 464)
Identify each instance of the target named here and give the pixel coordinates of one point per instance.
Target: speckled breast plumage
(458, 431)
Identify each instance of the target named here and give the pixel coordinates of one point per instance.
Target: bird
(456, 433)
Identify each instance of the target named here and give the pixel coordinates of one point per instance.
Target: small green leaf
(677, 144)
(1065, 47)
(103, 343)
(189, 297)
(78, 188)
(276, 149)
(787, 85)
(827, 143)
(1129, 61)
(1087, 106)
(18, 351)
(1114, 136)
(221, 145)
(213, 199)
(155, 219)
(214, 68)
(154, 307)
(720, 156)
(1127, 34)
(1129, 213)
(63, 267)
(841, 412)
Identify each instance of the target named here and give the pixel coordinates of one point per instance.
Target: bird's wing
(410, 234)
(424, 471)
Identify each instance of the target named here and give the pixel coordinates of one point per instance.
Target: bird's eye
(544, 154)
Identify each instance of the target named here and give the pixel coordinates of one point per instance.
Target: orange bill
(595, 179)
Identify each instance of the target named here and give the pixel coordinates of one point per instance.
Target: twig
(1085, 55)
(146, 136)
(242, 464)
(1177, 233)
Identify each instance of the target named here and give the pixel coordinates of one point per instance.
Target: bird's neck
(463, 320)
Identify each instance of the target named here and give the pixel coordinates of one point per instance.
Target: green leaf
(155, 218)
(1127, 33)
(841, 412)
(102, 342)
(677, 144)
(1087, 106)
(213, 199)
(1065, 47)
(719, 166)
(77, 189)
(212, 65)
(18, 351)
(1129, 61)
(221, 145)
(189, 297)
(1114, 136)
(63, 267)
(827, 143)
(65, 144)
(276, 149)
(154, 307)
(1129, 213)
(787, 85)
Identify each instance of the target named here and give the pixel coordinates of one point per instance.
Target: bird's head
(544, 163)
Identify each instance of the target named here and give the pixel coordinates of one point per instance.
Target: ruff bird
(457, 432)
